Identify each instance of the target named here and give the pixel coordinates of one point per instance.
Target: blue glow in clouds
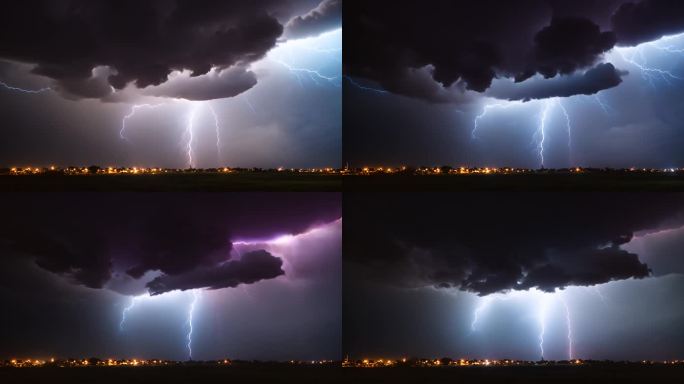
(657, 64)
(309, 62)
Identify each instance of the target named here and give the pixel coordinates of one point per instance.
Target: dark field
(320, 375)
(625, 181)
(207, 182)
(526, 374)
(189, 375)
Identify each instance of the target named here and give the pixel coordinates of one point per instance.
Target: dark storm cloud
(252, 267)
(487, 243)
(326, 16)
(472, 43)
(86, 262)
(601, 77)
(213, 85)
(648, 20)
(185, 237)
(485, 42)
(142, 43)
(567, 45)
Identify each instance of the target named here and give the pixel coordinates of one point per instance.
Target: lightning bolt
(540, 136)
(542, 325)
(218, 131)
(23, 90)
(598, 292)
(313, 74)
(648, 73)
(484, 303)
(542, 304)
(190, 134)
(568, 325)
(603, 105)
(541, 130)
(249, 104)
(485, 111)
(191, 310)
(134, 108)
(189, 316)
(126, 310)
(357, 85)
(568, 125)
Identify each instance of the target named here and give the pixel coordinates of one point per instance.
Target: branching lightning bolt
(485, 110)
(134, 108)
(189, 127)
(189, 316)
(649, 73)
(313, 74)
(191, 311)
(542, 303)
(539, 136)
(23, 90)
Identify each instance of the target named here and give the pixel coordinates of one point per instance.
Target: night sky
(216, 82)
(481, 275)
(115, 275)
(595, 83)
(270, 276)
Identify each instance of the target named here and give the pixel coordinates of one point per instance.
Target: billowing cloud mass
(603, 76)
(326, 16)
(141, 43)
(487, 243)
(252, 267)
(554, 39)
(181, 241)
(647, 20)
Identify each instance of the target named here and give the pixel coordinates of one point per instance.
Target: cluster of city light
(133, 362)
(449, 170)
(380, 170)
(447, 362)
(346, 363)
(96, 170)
